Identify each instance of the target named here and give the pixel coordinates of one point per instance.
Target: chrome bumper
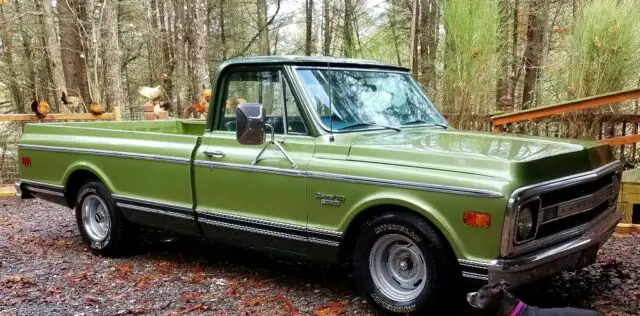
(575, 253)
(19, 190)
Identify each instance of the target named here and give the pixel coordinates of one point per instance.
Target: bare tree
(413, 37)
(72, 49)
(534, 49)
(114, 95)
(7, 55)
(327, 27)
(429, 22)
(52, 49)
(263, 26)
(503, 91)
(347, 37)
(197, 44)
(308, 42)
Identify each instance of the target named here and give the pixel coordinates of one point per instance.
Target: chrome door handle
(214, 154)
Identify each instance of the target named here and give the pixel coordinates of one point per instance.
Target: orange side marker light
(477, 219)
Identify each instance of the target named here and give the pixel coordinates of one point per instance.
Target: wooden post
(117, 113)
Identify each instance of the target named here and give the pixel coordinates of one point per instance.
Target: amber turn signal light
(477, 219)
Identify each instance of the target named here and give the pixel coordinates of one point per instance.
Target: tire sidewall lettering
(392, 308)
(386, 228)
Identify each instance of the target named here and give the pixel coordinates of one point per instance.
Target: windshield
(350, 99)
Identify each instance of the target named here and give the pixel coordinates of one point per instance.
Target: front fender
(409, 202)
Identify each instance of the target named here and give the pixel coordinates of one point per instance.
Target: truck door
(261, 204)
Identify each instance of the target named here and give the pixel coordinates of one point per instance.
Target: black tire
(120, 236)
(440, 274)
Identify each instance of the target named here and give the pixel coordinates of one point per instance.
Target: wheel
(401, 264)
(101, 225)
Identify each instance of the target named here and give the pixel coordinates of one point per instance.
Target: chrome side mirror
(250, 124)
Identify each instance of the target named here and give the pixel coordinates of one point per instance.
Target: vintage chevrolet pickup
(338, 161)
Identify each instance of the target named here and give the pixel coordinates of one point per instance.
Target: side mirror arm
(272, 141)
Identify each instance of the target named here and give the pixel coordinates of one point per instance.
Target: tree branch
(255, 37)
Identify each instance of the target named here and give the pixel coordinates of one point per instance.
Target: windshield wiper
(416, 122)
(356, 125)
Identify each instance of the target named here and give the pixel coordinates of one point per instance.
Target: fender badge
(329, 199)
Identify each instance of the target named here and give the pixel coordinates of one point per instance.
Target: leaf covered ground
(46, 270)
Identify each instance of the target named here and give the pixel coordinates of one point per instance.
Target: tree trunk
(515, 62)
(198, 45)
(7, 55)
(72, 49)
(52, 49)
(114, 95)
(347, 37)
(327, 28)
(503, 95)
(180, 73)
(223, 37)
(429, 22)
(308, 43)
(168, 63)
(415, 33)
(534, 50)
(28, 52)
(263, 26)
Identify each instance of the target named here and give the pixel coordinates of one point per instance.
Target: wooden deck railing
(499, 121)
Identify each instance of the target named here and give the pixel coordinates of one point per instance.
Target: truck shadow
(214, 257)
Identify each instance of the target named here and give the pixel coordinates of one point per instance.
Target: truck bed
(147, 160)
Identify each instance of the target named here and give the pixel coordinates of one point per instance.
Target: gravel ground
(46, 270)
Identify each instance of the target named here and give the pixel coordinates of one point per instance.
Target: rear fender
(90, 167)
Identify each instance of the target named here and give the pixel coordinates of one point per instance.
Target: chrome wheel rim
(95, 218)
(397, 268)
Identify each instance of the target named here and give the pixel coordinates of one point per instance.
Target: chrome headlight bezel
(532, 206)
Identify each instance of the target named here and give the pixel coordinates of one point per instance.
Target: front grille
(576, 205)
(576, 191)
(568, 206)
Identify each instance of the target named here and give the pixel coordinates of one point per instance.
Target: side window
(268, 88)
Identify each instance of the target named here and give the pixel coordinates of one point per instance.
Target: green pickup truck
(337, 161)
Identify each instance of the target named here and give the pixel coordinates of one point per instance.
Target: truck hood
(489, 154)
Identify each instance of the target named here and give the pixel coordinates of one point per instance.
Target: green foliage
(604, 48)
(471, 56)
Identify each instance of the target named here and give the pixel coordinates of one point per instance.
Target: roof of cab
(311, 61)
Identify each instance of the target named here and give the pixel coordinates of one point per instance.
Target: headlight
(527, 221)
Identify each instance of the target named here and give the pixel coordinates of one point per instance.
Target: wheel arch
(77, 175)
(378, 206)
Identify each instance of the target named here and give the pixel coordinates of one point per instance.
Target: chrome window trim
(506, 246)
(107, 153)
(316, 119)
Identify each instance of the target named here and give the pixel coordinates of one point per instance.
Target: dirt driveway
(46, 270)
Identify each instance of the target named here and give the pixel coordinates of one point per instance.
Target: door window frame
(217, 119)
